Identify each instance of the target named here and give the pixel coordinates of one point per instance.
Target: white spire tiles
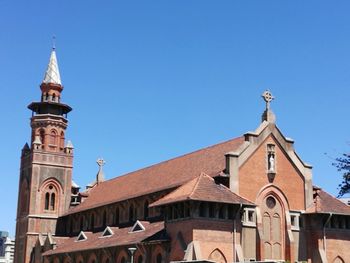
(52, 74)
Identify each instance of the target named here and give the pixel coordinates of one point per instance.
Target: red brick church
(247, 199)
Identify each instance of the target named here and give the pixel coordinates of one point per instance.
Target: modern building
(250, 198)
(7, 247)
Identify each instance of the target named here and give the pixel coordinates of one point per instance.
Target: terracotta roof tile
(165, 175)
(121, 237)
(325, 203)
(202, 188)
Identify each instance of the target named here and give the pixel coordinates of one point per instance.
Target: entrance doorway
(273, 228)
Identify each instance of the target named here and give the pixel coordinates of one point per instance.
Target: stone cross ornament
(100, 162)
(267, 96)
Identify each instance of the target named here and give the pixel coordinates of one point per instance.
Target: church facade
(250, 198)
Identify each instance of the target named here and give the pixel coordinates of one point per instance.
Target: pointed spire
(52, 74)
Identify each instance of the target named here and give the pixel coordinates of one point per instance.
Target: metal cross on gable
(100, 162)
(267, 96)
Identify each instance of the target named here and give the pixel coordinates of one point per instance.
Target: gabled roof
(121, 237)
(324, 203)
(165, 175)
(202, 188)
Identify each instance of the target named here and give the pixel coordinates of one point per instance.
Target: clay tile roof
(165, 175)
(120, 237)
(202, 188)
(325, 203)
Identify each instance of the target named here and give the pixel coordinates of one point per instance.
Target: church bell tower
(46, 167)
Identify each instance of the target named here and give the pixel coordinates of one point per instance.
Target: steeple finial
(52, 74)
(267, 96)
(53, 42)
(100, 175)
(268, 115)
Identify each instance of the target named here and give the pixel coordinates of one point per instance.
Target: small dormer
(108, 232)
(137, 227)
(81, 237)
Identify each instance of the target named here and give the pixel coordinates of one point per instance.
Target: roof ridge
(174, 158)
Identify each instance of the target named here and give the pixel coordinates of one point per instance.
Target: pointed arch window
(47, 201)
(50, 198)
(62, 141)
(42, 136)
(53, 137)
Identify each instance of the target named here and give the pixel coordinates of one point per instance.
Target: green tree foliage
(343, 165)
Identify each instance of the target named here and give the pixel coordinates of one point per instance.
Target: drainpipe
(324, 233)
(235, 233)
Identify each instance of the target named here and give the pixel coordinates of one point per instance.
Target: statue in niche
(271, 163)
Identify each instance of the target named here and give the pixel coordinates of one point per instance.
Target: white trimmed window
(249, 217)
(295, 220)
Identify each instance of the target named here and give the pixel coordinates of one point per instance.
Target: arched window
(131, 213)
(46, 96)
(123, 260)
(42, 136)
(54, 97)
(139, 259)
(52, 201)
(62, 140)
(53, 137)
(159, 258)
(47, 201)
(50, 198)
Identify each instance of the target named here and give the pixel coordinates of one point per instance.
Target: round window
(270, 202)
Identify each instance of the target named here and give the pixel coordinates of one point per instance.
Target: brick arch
(42, 135)
(53, 181)
(106, 258)
(50, 195)
(61, 138)
(158, 250)
(120, 256)
(273, 190)
(138, 254)
(92, 258)
(79, 259)
(217, 256)
(338, 259)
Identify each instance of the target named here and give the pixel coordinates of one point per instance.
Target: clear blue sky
(151, 80)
